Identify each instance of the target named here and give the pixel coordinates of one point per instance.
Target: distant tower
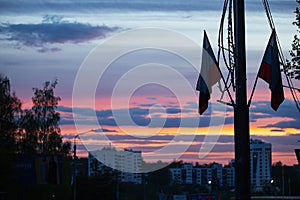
(260, 163)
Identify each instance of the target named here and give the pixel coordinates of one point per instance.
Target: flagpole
(253, 89)
(241, 110)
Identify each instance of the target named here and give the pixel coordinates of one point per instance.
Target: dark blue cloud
(104, 130)
(53, 31)
(287, 109)
(140, 116)
(64, 109)
(173, 110)
(145, 104)
(91, 5)
(285, 124)
(103, 114)
(65, 121)
(8, 6)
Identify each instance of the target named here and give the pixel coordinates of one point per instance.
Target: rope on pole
(221, 50)
(281, 56)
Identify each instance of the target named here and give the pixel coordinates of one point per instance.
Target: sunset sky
(42, 40)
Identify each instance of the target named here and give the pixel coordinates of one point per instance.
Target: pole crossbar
(226, 103)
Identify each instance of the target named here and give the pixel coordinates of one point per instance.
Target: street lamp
(209, 187)
(74, 166)
(273, 184)
(75, 158)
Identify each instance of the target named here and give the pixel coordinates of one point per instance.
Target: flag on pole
(209, 74)
(270, 72)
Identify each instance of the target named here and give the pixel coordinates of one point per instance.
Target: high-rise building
(260, 163)
(176, 174)
(217, 173)
(127, 163)
(183, 174)
(228, 173)
(203, 176)
(297, 151)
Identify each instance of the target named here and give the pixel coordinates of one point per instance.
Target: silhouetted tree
(29, 137)
(10, 108)
(41, 123)
(293, 65)
(277, 164)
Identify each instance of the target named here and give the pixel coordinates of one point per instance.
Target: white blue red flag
(270, 72)
(209, 75)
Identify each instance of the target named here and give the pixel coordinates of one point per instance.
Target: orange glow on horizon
(260, 127)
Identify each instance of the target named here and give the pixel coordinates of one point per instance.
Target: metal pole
(74, 168)
(74, 161)
(282, 174)
(241, 110)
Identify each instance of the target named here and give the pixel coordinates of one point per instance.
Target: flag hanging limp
(269, 71)
(208, 76)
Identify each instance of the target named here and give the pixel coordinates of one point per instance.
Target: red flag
(270, 72)
(208, 76)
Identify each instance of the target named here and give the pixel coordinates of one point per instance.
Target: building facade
(260, 164)
(210, 174)
(127, 163)
(228, 174)
(203, 176)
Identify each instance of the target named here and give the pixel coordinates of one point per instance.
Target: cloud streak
(262, 110)
(284, 145)
(142, 115)
(53, 30)
(134, 5)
